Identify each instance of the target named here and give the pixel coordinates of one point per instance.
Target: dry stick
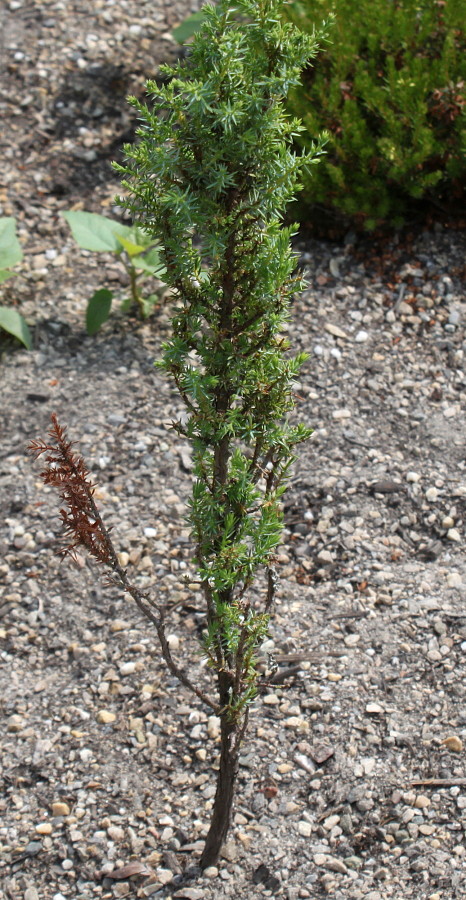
(440, 782)
(144, 603)
(68, 474)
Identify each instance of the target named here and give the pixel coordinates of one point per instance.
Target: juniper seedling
(210, 178)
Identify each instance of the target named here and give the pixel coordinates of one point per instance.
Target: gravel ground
(353, 782)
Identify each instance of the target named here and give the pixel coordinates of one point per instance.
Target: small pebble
(294, 722)
(104, 716)
(127, 668)
(14, 723)
(454, 580)
(352, 639)
(210, 872)
(116, 833)
(374, 708)
(453, 743)
(119, 625)
(31, 894)
(164, 875)
(59, 808)
(213, 727)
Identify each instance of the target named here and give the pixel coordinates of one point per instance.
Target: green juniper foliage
(210, 178)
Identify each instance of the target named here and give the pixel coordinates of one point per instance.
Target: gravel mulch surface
(353, 780)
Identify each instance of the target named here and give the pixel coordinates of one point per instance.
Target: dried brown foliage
(66, 471)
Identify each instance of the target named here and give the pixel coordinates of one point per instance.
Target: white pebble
(164, 875)
(361, 337)
(210, 872)
(325, 556)
(454, 579)
(85, 754)
(352, 639)
(128, 668)
(330, 822)
(213, 727)
(294, 722)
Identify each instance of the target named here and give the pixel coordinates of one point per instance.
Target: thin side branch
(84, 527)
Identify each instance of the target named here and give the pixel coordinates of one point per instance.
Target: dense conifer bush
(390, 90)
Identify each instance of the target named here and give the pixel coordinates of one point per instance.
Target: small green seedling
(10, 254)
(136, 249)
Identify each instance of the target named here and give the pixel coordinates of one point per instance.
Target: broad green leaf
(13, 322)
(98, 310)
(148, 304)
(10, 248)
(4, 274)
(131, 249)
(139, 236)
(94, 232)
(189, 27)
(150, 262)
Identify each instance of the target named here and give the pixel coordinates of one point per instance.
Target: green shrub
(390, 90)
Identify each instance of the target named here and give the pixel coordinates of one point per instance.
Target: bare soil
(353, 779)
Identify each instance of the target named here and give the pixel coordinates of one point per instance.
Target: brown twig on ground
(440, 782)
